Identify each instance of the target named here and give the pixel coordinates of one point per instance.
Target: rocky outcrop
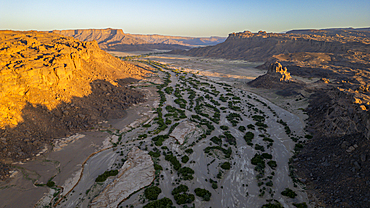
(276, 77)
(52, 86)
(116, 40)
(136, 173)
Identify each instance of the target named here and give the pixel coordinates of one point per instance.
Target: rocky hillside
(117, 40)
(261, 46)
(52, 85)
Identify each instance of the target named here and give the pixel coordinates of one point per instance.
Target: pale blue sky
(185, 18)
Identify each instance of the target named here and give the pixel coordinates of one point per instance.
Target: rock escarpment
(52, 86)
(261, 46)
(117, 40)
(136, 173)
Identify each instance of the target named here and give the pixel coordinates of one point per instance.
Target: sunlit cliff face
(47, 68)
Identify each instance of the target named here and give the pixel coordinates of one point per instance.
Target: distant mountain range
(116, 40)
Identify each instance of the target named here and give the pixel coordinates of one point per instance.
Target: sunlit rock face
(277, 70)
(47, 68)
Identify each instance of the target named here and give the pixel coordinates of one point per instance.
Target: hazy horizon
(191, 18)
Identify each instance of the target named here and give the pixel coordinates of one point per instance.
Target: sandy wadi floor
(206, 130)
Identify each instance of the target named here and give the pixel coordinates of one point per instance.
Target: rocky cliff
(106, 38)
(52, 85)
(117, 40)
(261, 46)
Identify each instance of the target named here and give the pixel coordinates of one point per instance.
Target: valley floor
(214, 142)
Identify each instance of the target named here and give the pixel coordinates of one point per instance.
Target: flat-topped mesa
(277, 70)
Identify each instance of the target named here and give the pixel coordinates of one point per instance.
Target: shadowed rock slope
(52, 86)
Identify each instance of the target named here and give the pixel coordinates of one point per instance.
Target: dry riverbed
(214, 142)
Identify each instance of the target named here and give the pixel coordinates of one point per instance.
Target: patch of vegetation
(266, 155)
(50, 184)
(152, 192)
(216, 140)
(234, 118)
(307, 136)
(226, 166)
(300, 205)
(250, 126)
(184, 159)
(259, 147)
(160, 203)
(157, 167)
(205, 194)
(184, 198)
(227, 152)
(154, 154)
(173, 160)
(189, 151)
(158, 140)
(289, 193)
(105, 175)
(225, 128)
(180, 189)
(248, 138)
(258, 118)
(270, 205)
(272, 164)
(187, 173)
(168, 90)
(242, 128)
(230, 138)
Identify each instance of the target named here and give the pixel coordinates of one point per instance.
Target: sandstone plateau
(52, 85)
(117, 40)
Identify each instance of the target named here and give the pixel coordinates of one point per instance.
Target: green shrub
(184, 198)
(157, 167)
(184, 159)
(224, 128)
(289, 193)
(154, 154)
(266, 156)
(216, 140)
(50, 184)
(214, 185)
(180, 189)
(187, 173)
(248, 136)
(226, 166)
(272, 164)
(189, 151)
(259, 147)
(205, 194)
(160, 203)
(105, 175)
(270, 205)
(307, 136)
(250, 126)
(176, 164)
(242, 128)
(300, 205)
(152, 192)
